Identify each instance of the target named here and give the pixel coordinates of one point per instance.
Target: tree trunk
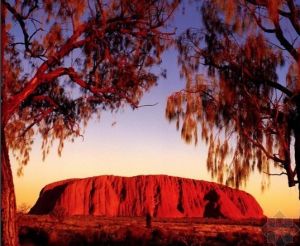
(287, 158)
(296, 128)
(8, 201)
(9, 231)
(297, 153)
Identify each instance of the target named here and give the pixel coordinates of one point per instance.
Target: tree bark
(8, 201)
(287, 157)
(297, 152)
(296, 128)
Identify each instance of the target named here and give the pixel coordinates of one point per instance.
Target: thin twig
(276, 174)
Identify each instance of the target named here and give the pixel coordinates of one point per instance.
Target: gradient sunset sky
(137, 142)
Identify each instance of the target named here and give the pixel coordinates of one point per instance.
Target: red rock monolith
(165, 196)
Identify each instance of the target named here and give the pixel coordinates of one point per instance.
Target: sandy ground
(90, 230)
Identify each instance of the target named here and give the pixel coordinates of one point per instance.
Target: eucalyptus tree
(64, 61)
(241, 68)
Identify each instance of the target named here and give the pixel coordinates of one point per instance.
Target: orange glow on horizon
(117, 156)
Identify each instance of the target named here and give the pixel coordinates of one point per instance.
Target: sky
(142, 141)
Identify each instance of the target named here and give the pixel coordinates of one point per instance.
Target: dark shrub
(33, 236)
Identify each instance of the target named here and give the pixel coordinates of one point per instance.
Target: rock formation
(159, 195)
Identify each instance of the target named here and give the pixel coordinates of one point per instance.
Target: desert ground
(57, 229)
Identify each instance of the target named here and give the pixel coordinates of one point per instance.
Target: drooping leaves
(72, 59)
(239, 101)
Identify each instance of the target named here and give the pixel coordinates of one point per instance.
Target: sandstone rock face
(159, 195)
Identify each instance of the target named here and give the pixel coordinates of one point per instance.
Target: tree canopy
(66, 60)
(242, 88)
(63, 61)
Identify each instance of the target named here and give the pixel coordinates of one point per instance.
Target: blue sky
(141, 142)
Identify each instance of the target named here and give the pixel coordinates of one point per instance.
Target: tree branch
(36, 80)
(258, 22)
(43, 75)
(45, 98)
(276, 174)
(33, 7)
(278, 30)
(41, 116)
(271, 83)
(260, 146)
(147, 105)
(21, 22)
(284, 42)
(293, 16)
